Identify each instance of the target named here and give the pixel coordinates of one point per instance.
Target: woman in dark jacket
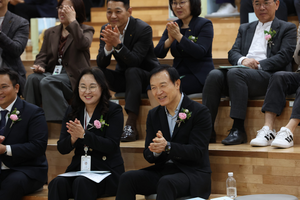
(93, 126)
(190, 40)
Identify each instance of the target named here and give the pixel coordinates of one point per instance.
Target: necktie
(3, 121)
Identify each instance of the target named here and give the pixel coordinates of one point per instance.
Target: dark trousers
(226, 1)
(79, 188)
(15, 184)
(286, 7)
(168, 183)
(133, 82)
(282, 84)
(297, 8)
(239, 84)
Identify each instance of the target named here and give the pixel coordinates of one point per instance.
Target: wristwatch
(168, 148)
(119, 46)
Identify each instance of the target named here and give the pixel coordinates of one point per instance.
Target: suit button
(91, 149)
(104, 158)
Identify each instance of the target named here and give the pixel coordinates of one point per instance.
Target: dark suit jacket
(76, 55)
(28, 140)
(279, 56)
(197, 56)
(13, 40)
(104, 146)
(46, 8)
(137, 49)
(189, 144)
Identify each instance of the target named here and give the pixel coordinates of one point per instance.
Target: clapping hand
(75, 129)
(159, 143)
(110, 36)
(2, 147)
(174, 31)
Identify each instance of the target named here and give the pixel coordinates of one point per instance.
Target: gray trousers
(282, 84)
(238, 84)
(49, 91)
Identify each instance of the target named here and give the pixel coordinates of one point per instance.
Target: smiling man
(178, 133)
(261, 55)
(129, 40)
(23, 141)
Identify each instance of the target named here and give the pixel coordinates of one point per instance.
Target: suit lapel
(164, 123)
(185, 103)
(275, 26)
(129, 32)
(96, 116)
(250, 34)
(55, 37)
(19, 105)
(69, 41)
(7, 23)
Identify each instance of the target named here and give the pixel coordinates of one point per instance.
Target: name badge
(57, 69)
(85, 163)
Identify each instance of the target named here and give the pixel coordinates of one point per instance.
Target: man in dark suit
(13, 39)
(33, 8)
(23, 141)
(129, 40)
(178, 133)
(262, 54)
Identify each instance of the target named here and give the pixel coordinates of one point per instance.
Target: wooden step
(153, 13)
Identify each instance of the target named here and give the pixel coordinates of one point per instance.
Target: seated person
(192, 56)
(64, 54)
(285, 8)
(23, 141)
(297, 8)
(129, 40)
(227, 8)
(281, 84)
(90, 4)
(263, 56)
(33, 8)
(13, 40)
(80, 131)
(178, 133)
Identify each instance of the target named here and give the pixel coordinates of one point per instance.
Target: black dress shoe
(213, 137)
(235, 136)
(129, 134)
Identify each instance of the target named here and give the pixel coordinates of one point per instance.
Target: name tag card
(57, 69)
(85, 163)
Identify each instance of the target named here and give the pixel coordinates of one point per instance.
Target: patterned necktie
(3, 121)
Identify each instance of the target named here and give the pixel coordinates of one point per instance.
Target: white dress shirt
(258, 48)
(121, 38)
(8, 148)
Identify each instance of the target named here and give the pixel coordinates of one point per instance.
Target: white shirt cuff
(107, 52)
(8, 150)
(118, 50)
(156, 154)
(241, 60)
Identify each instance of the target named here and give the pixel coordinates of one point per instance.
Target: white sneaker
(284, 139)
(226, 9)
(263, 138)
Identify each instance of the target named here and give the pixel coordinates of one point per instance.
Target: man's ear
(129, 11)
(17, 87)
(177, 84)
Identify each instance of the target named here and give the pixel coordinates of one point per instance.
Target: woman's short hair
(79, 9)
(195, 7)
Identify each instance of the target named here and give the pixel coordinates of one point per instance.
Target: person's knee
(45, 82)
(278, 77)
(214, 76)
(165, 184)
(132, 71)
(58, 182)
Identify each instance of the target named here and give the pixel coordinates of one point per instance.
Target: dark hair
(195, 7)
(173, 73)
(77, 104)
(13, 76)
(79, 9)
(125, 2)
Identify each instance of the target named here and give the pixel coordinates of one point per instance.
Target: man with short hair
(14, 31)
(264, 47)
(129, 40)
(23, 141)
(178, 133)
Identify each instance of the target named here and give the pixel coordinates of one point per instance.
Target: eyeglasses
(266, 4)
(181, 4)
(61, 7)
(92, 88)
